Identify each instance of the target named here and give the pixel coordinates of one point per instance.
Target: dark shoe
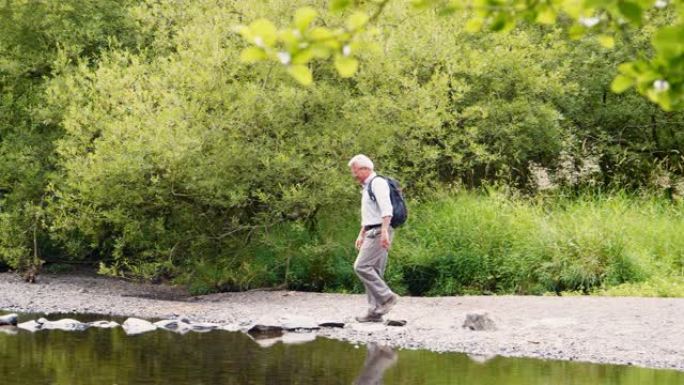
(369, 318)
(387, 306)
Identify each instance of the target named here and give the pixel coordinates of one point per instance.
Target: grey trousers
(370, 268)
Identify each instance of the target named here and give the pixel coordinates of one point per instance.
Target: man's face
(360, 173)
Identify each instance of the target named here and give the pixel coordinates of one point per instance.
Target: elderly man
(374, 240)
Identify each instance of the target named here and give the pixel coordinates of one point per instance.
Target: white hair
(361, 160)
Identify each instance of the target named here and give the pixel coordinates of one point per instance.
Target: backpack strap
(370, 188)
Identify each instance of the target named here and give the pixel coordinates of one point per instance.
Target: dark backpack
(399, 212)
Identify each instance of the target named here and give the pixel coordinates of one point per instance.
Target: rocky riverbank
(632, 331)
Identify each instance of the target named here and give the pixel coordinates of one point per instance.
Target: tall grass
(494, 243)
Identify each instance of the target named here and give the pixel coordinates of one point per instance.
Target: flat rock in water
(8, 319)
(134, 326)
(31, 326)
(231, 327)
(104, 324)
(177, 326)
(264, 330)
(331, 324)
(203, 326)
(289, 323)
(66, 324)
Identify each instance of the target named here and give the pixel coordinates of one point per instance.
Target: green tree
(657, 74)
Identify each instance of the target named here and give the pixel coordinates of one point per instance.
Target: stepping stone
(203, 326)
(8, 319)
(231, 327)
(66, 324)
(104, 324)
(176, 326)
(134, 326)
(331, 324)
(31, 326)
(395, 322)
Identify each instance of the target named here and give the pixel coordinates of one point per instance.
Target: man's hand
(359, 242)
(385, 239)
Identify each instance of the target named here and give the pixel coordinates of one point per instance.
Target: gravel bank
(645, 332)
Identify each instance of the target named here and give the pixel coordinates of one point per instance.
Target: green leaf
(346, 66)
(502, 23)
(264, 30)
(339, 5)
(303, 57)
(473, 25)
(576, 32)
(447, 10)
(357, 21)
(320, 51)
(499, 23)
(546, 15)
(630, 11)
(606, 41)
(621, 83)
(660, 98)
(303, 18)
(320, 33)
(628, 69)
(301, 73)
(669, 43)
(420, 4)
(252, 55)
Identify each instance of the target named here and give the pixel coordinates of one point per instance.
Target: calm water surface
(99, 357)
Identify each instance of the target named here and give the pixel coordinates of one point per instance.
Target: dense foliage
(144, 143)
(658, 75)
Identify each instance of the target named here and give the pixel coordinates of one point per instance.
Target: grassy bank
(486, 243)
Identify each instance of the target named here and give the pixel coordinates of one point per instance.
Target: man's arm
(384, 235)
(359, 239)
(382, 195)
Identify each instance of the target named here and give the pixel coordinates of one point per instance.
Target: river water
(109, 357)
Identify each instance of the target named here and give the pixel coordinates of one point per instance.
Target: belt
(368, 227)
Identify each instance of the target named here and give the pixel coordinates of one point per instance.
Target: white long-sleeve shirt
(373, 212)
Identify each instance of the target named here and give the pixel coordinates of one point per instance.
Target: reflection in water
(379, 359)
(109, 356)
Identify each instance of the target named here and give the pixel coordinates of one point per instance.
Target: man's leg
(369, 266)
